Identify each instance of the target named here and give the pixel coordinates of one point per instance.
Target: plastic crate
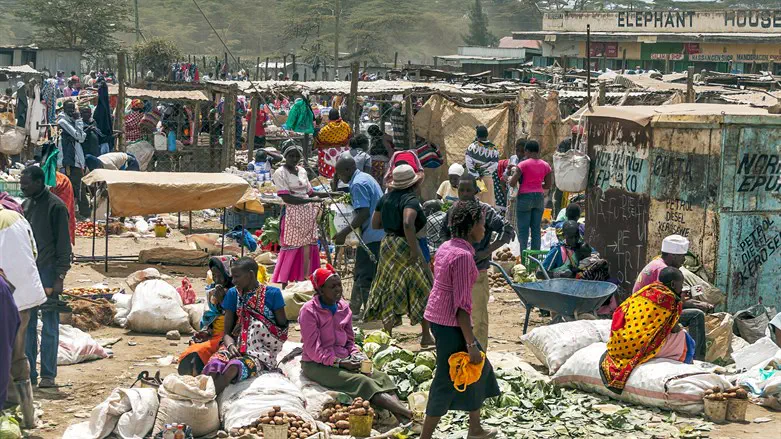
(530, 265)
(14, 188)
(252, 221)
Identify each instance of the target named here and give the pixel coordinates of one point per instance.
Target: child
(449, 312)
(261, 166)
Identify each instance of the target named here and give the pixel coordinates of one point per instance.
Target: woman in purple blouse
(330, 356)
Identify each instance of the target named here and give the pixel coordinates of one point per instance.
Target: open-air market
(569, 231)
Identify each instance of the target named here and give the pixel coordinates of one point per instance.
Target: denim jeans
(694, 321)
(529, 208)
(364, 272)
(50, 341)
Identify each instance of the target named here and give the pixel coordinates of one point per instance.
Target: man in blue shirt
(365, 193)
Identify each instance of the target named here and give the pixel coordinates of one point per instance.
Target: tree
(479, 35)
(87, 24)
(156, 55)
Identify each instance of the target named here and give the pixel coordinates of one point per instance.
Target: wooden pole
(601, 98)
(337, 14)
(395, 60)
(216, 67)
(119, 112)
(623, 62)
(227, 69)
(229, 126)
(409, 118)
(353, 102)
(307, 146)
(588, 65)
(564, 66)
(196, 123)
(254, 105)
(295, 66)
(257, 68)
(284, 66)
(265, 70)
(690, 85)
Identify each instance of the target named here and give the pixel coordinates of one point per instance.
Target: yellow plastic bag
(462, 372)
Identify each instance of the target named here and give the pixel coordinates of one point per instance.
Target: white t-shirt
(17, 259)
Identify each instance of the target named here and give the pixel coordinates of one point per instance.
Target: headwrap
(137, 104)
(321, 275)
(223, 263)
(291, 145)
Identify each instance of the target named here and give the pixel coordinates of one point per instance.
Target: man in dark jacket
(72, 135)
(48, 218)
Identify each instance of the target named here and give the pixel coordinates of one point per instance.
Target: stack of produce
(90, 291)
(297, 427)
(87, 228)
(716, 394)
(337, 416)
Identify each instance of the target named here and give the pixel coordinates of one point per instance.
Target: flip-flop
(490, 433)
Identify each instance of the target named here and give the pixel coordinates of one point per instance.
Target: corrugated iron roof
(19, 69)
(365, 88)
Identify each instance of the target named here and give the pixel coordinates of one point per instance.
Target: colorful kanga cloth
(332, 142)
(640, 328)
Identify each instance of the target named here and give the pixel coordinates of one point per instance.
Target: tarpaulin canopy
(145, 193)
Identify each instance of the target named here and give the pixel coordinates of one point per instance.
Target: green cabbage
(359, 336)
(370, 349)
(385, 356)
(422, 373)
(404, 354)
(395, 367)
(426, 358)
(9, 428)
(380, 337)
(425, 386)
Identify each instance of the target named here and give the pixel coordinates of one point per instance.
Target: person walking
(48, 218)
(533, 178)
(482, 161)
(365, 193)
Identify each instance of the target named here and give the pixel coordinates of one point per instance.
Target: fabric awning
(146, 193)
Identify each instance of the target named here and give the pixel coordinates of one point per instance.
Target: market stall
(142, 193)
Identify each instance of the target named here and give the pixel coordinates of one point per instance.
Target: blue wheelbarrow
(565, 297)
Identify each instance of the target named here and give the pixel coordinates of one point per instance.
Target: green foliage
(88, 24)
(479, 35)
(156, 55)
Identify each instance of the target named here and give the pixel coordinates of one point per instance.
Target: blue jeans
(528, 209)
(50, 335)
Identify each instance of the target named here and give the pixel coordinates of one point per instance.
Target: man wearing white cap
(448, 190)
(674, 250)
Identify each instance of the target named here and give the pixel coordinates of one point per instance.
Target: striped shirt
(455, 273)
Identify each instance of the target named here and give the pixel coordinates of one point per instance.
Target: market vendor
(133, 121)
(298, 233)
(331, 142)
(674, 250)
(448, 190)
(331, 357)
(206, 341)
(646, 326)
(255, 328)
(115, 161)
(573, 258)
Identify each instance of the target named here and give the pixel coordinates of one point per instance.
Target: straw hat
(404, 177)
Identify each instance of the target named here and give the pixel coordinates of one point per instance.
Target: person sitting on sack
(646, 326)
(674, 250)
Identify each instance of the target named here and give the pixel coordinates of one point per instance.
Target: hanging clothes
(21, 105)
(102, 116)
(36, 116)
(49, 97)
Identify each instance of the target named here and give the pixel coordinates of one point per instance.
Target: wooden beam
(353, 101)
(257, 68)
(690, 85)
(265, 71)
(229, 126)
(119, 113)
(601, 97)
(409, 119)
(196, 123)
(254, 105)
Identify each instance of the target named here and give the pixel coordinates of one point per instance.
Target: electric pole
(138, 28)
(337, 14)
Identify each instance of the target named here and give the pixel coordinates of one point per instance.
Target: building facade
(738, 41)
(51, 60)
(502, 61)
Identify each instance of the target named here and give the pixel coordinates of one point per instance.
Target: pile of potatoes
(297, 427)
(505, 255)
(337, 417)
(717, 394)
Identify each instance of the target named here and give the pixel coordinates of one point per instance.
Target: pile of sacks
(571, 351)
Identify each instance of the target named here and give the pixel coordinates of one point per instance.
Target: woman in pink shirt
(449, 310)
(330, 356)
(533, 176)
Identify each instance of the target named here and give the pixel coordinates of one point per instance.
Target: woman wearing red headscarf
(331, 357)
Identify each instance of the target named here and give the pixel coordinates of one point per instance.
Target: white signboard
(752, 21)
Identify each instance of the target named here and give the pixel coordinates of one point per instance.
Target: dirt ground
(88, 384)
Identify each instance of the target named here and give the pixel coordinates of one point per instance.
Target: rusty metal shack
(709, 172)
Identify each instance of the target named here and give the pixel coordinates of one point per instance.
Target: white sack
(316, 396)
(188, 400)
(343, 216)
(135, 278)
(156, 308)
(662, 383)
(244, 402)
(122, 305)
(755, 354)
(195, 314)
(130, 413)
(75, 346)
(571, 170)
(143, 151)
(553, 345)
